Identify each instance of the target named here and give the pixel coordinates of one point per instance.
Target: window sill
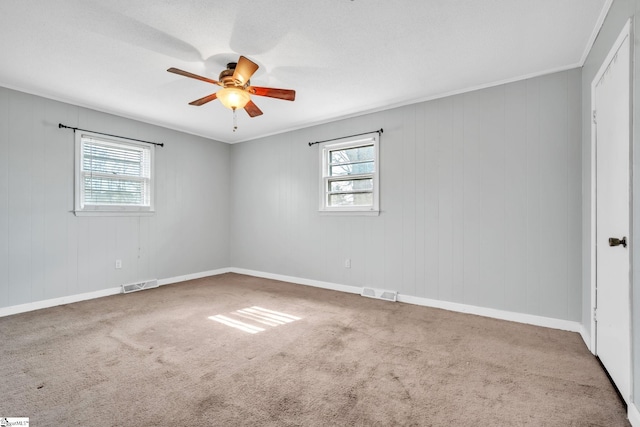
(114, 213)
(349, 213)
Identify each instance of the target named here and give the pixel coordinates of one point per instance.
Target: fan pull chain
(235, 120)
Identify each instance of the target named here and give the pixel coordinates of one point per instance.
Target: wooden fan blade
(204, 100)
(286, 94)
(252, 109)
(193, 76)
(244, 70)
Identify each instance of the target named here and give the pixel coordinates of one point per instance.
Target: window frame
(325, 179)
(83, 209)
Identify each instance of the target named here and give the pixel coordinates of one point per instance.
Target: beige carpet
(322, 358)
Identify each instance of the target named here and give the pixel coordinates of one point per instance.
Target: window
(349, 181)
(113, 176)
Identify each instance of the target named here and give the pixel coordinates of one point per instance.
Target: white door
(612, 131)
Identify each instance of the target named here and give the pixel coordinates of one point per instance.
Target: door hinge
(595, 314)
(594, 117)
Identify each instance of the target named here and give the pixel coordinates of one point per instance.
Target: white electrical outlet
(347, 263)
(118, 263)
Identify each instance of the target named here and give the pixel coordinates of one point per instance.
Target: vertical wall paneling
(446, 161)
(143, 264)
(574, 194)
(420, 202)
(553, 180)
(492, 207)
(409, 196)
(473, 189)
(458, 178)
(431, 194)
(290, 181)
(533, 191)
(38, 205)
(20, 197)
(515, 199)
(4, 197)
(281, 212)
(471, 225)
(359, 260)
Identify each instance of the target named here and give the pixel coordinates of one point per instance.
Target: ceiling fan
(236, 89)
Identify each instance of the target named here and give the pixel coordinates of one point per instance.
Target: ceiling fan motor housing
(226, 77)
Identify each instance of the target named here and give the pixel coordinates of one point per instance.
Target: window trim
(111, 210)
(325, 179)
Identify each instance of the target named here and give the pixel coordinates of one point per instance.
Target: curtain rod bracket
(379, 131)
(60, 126)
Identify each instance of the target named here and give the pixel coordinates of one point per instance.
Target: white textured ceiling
(343, 57)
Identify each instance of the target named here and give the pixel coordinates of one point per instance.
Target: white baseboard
(193, 276)
(633, 415)
(37, 305)
(530, 319)
(297, 280)
(548, 322)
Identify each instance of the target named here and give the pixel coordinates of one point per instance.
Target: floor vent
(379, 294)
(133, 287)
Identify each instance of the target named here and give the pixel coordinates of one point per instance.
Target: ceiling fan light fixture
(233, 97)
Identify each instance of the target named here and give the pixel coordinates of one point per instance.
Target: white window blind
(113, 175)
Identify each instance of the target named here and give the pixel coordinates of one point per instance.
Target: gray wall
(47, 252)
(480, 198)
(620, 12)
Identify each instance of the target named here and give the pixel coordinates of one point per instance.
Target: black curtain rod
(60, 125)
(342, 137)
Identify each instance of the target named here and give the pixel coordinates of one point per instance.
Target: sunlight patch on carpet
(254, 315)
(236, 324)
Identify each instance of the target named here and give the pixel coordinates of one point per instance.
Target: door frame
(626, 32)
